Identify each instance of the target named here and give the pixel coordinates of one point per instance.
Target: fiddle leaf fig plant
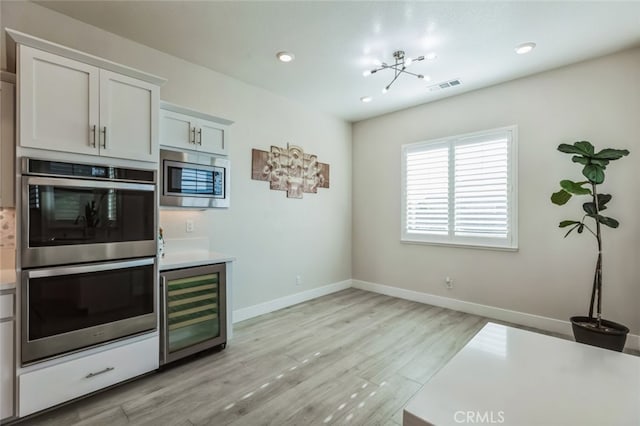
(594, 165)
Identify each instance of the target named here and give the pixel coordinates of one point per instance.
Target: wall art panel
(289, 169)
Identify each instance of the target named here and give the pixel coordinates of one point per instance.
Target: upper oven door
(74, 220)
(194, 180)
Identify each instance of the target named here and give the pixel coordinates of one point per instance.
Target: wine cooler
(194, 314)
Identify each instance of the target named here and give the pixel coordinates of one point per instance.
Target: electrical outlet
(448, 282)
(189, 225)
(298, 279)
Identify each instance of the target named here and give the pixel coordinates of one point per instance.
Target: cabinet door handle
(200, 136)
(97, 373)
(193, 135)
(104, 130)
(93, 130)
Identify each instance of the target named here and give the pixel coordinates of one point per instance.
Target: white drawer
(53, 385)
(6, 306)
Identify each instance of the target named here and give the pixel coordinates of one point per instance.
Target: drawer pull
(106, 370)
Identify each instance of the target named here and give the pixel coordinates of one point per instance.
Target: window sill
(459, 245)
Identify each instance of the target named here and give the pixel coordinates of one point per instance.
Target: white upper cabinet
(128, 117)
(187, 129)
(177, 130)
(58, 102)
(7, 143)
(211, 137)
(73, 102)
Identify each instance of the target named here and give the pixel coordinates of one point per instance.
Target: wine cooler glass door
(195, 311)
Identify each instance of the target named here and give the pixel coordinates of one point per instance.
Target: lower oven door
(65, 309)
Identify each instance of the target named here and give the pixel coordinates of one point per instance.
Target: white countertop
(515, 377)
(192, 258)
(7, 279)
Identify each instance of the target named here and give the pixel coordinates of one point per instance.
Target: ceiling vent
(445, 85)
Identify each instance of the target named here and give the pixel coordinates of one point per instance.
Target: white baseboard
(283, 302)
(521, 318)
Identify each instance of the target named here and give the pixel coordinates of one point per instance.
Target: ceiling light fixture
(399, 67)
(525, 48)
(366, 99)
(285, 56)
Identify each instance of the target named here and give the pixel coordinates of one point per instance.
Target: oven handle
(80, 183)
(98, 267)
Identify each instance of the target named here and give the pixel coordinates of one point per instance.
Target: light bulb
(385, 90)
(285, 56)
(366, 73)
(525, 48)
(408, 62)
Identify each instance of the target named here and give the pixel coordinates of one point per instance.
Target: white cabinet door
(7, 369)
(49, 386)
(7, 144)
(128, 117)
(177, 130)
(58, 102)
(210, 137)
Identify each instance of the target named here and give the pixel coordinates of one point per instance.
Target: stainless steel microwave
(191, 179)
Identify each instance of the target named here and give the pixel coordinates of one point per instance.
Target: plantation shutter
(481, 187)
(428, 190)
(459, 190)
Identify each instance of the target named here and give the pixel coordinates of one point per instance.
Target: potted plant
(592, 330)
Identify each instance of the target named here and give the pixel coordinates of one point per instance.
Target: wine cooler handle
(164, 319)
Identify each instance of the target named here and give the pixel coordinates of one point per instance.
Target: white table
(514, 377)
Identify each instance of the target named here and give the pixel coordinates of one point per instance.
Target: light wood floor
(352, 357)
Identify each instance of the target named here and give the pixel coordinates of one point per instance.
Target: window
(461, 190)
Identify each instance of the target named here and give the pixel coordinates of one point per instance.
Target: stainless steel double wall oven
(88, 255)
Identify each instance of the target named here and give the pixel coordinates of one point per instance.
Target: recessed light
(431, 56)
(285, 56)
(366, 99)
(523, 48)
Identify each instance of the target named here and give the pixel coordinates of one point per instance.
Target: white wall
(273, 238)
(597, 100)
